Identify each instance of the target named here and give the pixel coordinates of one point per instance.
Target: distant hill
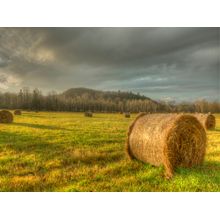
(107, 95)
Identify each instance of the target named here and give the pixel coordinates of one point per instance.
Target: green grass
(68, 152)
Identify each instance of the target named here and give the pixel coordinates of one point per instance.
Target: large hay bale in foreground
(171, 140)
(6, 116)
(88, 114)
(127, 115)
(207, 120)
(17, 112)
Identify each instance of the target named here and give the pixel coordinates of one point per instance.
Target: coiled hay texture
(17, 112)
(207, 120)
(88, 114)
(127, 115)
(172, 140)
(6, 116)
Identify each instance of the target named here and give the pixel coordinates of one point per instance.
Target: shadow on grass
(23, 142)
(39, 126)
(26, 143)
(34, 116)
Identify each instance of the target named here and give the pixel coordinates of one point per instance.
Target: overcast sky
(162, 63)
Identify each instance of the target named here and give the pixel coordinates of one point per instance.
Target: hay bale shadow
(40, 126)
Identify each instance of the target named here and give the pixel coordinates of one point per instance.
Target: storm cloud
(177, 63)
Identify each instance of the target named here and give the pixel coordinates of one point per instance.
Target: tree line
(89, 100)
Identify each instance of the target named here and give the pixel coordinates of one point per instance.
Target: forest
(83, 99)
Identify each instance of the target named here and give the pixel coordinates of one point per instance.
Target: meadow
(50, 151)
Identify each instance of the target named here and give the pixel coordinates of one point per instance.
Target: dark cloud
(177, 62)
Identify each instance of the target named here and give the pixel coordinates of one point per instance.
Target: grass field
(69, 152)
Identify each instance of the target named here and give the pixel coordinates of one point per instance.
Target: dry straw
(207, 120)
(6, 116)
(17, 112)
(88, 114)
(172, 140)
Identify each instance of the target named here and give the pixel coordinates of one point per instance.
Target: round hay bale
(17, 112)
(6, 116)
(88, 114)
(171, 140)
(207, 120)
(127, 115)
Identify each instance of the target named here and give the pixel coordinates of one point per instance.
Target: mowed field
(48, 151)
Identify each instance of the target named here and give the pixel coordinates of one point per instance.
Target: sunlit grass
(69, 152)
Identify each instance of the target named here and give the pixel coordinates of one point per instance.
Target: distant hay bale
(207, 120)
(127, 115)
(88, 114)
(6, 116)
(172, 140)
(17, 112)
